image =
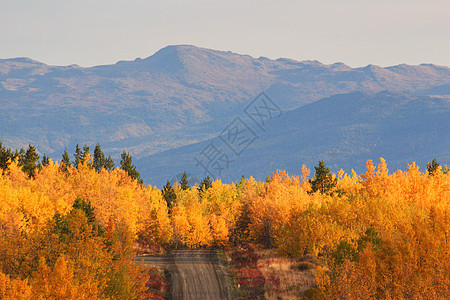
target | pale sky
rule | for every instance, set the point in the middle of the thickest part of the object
(356, 32)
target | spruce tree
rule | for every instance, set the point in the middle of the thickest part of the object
(45, 160)
(169, 195)
(184, 182)
(85, 152)
(431, 168)
(126, 164)
(101, 161)
(66, 159)
(29, 160)
(205, 183)
(99, 158)
(6, 156)
(78, 155)
(109, 163)
(323, 180)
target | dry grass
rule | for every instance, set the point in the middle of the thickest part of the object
(265, 273)
(284, 278)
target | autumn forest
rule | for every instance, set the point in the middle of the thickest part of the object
(70, 229)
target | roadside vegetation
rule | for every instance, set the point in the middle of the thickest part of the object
(70, 229)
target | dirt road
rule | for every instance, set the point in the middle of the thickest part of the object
(195, 274)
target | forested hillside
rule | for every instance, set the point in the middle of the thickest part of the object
(69, 231)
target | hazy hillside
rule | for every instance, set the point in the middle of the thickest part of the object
(343, 130)
(179, 95)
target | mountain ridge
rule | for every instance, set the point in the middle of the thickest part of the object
(178, 96)
(344, 130)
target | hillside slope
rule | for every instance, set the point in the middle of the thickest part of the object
(178, 96)
(343, 130)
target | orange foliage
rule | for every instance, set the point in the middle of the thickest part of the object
(408, 214)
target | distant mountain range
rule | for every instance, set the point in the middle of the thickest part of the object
(186, 95)
(343, 130)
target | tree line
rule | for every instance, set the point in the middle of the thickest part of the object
(70, 228)
(29, 160)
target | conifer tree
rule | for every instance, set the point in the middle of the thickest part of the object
(99, 158)
(323, 180)
(66, 159)
(431, 168)
(184, 182)
(78, 155)
(169, 195)
(85, 153)
(205, 183)
(126, 164)
(5, 156)
(28, 161)
(101, 161)
(45, 160)
(109, 163)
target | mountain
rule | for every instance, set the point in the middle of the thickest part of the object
(343, 130)
(178, 96)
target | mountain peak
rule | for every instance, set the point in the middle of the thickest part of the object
(23, 60)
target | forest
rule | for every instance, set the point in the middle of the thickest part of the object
(70, 229)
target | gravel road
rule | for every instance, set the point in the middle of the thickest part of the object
(195, 274)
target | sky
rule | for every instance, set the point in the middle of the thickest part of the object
(355, 32)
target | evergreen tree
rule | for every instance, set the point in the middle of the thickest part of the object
(99, 158)
(45, 160)
(19, 154)
(205, 183)
(66, 159)
(323, 180)
(169, 195)
(86, 207)
(78, 155)
(85, 153)
(431, 168)
(63, 229)
(5, 156)
(29, 160)
(109, 163)
(126, 164)
(184, 182)
(240, 231)
(101, 161)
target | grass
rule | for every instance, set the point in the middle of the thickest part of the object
(225, 262)
(157, 285)
(265, 274)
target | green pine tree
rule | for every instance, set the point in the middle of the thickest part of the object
(28, 162)
(99, 158)
(126, 164)
(323, 180)
(109, 163)
(45, 160)
(78, 155)
(101, 161)
(66, 159)
(431, 168)
(6, 156)
(205, 183)
(184, 182)
(85, 153)
(169, 195)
